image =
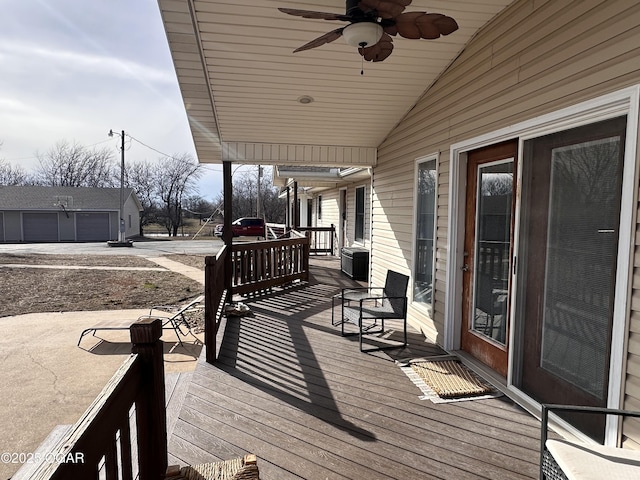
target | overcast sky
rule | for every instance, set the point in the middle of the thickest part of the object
(74, 69)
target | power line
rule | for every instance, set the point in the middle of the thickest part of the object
(149, 147)
(98, 143)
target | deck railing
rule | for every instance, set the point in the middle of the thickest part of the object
(261, 265)
(254, 266)
(275, 231)
(215, 297)
(322, 239)
(123, 434)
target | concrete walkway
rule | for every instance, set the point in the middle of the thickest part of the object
(191, 272)
(48, 381)
(84, 267)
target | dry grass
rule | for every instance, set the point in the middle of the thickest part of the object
(34, 290)
(195, 261)
(83, 260)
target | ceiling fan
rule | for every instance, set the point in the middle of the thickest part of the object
(373, 22)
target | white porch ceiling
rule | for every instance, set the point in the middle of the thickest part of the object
(241, 81)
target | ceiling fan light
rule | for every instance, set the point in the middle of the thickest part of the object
(362, 34)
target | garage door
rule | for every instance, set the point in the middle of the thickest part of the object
(1, 227)
(40, 227)
(92, 227)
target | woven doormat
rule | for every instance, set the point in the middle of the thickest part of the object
(447, 380)
(235, 469)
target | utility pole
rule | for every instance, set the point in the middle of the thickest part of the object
(121, 242)
(122, 224)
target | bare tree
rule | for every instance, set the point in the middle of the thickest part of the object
(245, 197)
(197, 207)
(73, 165)
(140, 175)
(497, 184)
(245, 194)
(12, 175)
(175, 179)
(274, 207)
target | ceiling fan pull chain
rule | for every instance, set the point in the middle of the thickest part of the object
(362, 45)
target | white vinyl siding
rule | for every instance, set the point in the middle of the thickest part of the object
(330, 209)
(532, 59)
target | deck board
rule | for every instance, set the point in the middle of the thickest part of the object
(290, 389)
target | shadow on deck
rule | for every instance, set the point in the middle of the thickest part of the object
(288, 388)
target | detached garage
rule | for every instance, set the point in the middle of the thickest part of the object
(40, 227)
(66, 214)
(92, 227)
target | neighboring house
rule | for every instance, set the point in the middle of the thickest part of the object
(331, 196)
(65, 214)
(507, 188)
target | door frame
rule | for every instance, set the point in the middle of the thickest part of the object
(491, 350)
(342, 217)
(623, 102)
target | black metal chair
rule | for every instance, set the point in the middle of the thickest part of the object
(579, 459)
(365, 306)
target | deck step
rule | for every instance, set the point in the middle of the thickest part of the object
(26, 471)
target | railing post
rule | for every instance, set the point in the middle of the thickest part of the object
(210, 307)
(332, 234)
(227, 233)
(306, 248)
(150, 407)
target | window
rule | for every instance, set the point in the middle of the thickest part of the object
(319, 207)
(426, 184)
(359, 236)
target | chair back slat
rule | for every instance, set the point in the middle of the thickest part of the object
(396, 285)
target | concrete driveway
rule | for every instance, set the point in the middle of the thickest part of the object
(143, 248)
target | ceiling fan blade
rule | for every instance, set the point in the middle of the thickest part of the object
(326, 38)
(422, 25)
(315, 15)
(385, 8)
(379, 51)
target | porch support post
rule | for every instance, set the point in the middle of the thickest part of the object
(287, 215)
(295, 205)
(227, 233)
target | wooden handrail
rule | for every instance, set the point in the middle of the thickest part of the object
(254, 266)
(261, 265)
(322, 239)
(102, 443)
(215, 297)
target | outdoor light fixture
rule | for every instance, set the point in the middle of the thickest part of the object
(362, 34)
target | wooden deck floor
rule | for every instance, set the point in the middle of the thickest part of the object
(310, 405)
